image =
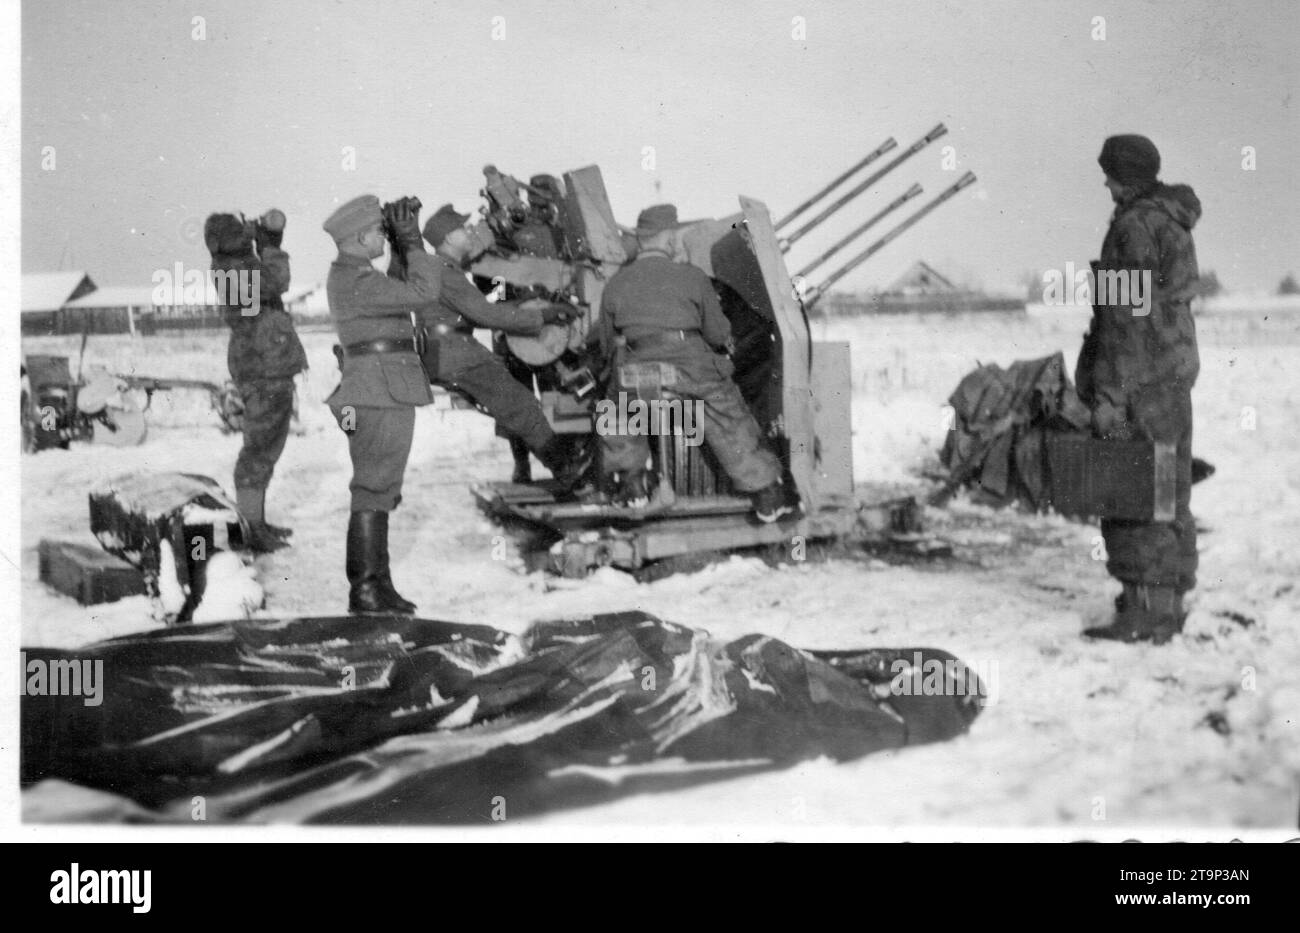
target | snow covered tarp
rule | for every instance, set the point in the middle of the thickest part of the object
(1000, 418)
(390, 719)
(153, 521)
(1021, 434)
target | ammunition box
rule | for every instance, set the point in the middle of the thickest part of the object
(87, 574)
(1133, 480)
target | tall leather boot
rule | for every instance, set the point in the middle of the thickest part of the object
(390, 594)
(262, 539)
(372, 589)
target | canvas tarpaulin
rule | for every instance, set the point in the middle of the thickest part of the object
(392, 719)
(1000, 420)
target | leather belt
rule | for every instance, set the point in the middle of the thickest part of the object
(662, 337)
(380, 346)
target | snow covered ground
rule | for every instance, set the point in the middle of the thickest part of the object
(1204, 732)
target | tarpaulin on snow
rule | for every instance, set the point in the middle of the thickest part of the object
(391, 719)
(1001, 417)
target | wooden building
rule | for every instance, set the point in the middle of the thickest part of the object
(44, 294)
(922, 288)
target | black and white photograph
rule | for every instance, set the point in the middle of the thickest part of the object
(791, 420)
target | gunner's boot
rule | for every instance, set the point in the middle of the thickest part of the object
(372, 590)
(774, 502)
(523, 471)
(568, 465)
(262, 538)
(633, 490)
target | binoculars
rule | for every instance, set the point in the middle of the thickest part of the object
(273, 220)
(413, 203)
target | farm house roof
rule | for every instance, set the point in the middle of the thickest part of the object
(49, 291)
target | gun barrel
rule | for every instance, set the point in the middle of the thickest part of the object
(870, 157)
(893, 205)
(864, 185)
(814, 294)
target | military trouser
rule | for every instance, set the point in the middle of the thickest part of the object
(729, 427)
(268, 409)
(457, 361)
(379, 443)
(517, 368)
(1159, 553)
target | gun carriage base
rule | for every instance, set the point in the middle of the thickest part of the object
(573, 539)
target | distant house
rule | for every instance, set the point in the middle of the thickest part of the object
(921, 279)
(45, 293)
(70, 303)
(57, 306)
(132, 309)
(921, 288)
(110, 310)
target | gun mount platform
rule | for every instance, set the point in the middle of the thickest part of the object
(574, 538)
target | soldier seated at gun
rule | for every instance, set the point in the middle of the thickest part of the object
(668, 312)
(536, 232)
(536, 381)
(541, 234)
(454, 359)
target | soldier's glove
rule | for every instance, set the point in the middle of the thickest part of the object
(558, 314)
(1110, 423)
(403, 218)
(227, 235)
(269, 229)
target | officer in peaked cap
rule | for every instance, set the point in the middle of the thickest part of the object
(383, 379)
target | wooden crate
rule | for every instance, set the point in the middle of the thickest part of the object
(87, 574)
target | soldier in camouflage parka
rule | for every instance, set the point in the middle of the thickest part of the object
(263, 356)
(1136, 370)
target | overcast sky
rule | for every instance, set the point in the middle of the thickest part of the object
(152, 128)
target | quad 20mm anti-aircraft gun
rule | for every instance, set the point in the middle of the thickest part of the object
(560, 241)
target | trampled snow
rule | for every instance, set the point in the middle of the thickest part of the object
(1090, 736)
